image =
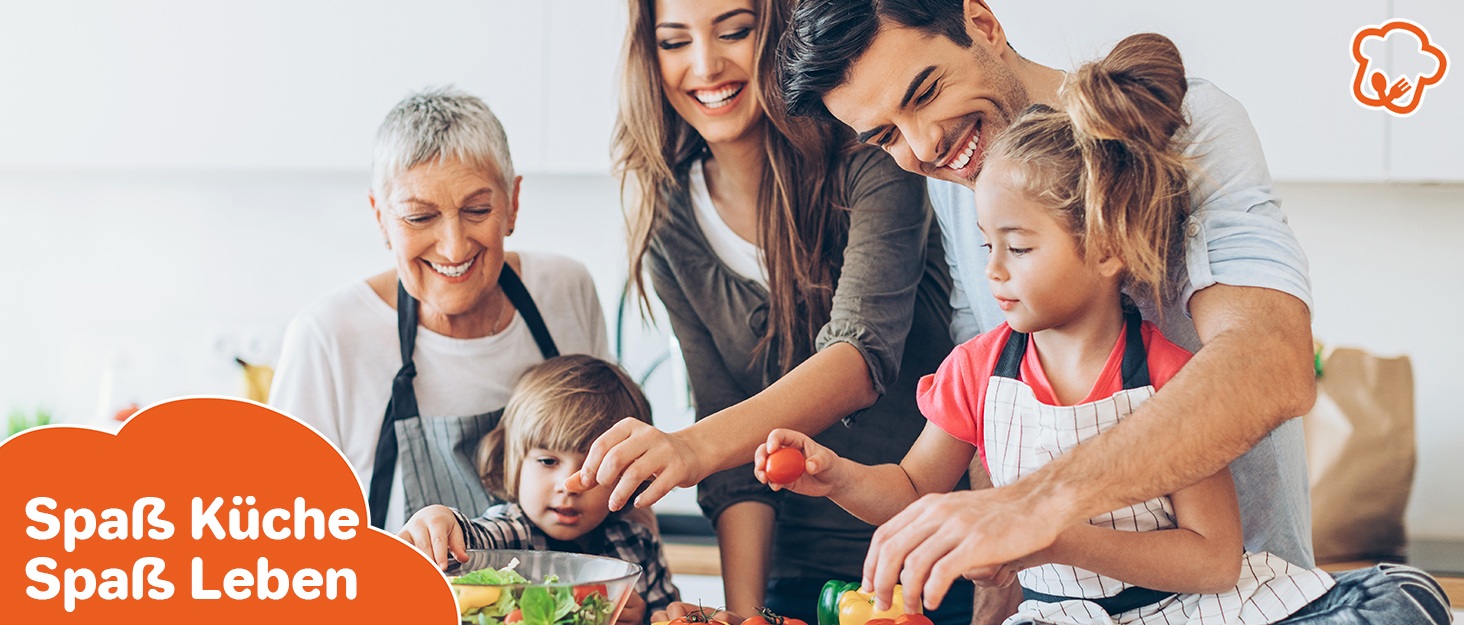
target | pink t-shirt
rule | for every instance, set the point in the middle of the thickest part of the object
(952, 398)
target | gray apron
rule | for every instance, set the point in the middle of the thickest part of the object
(437, 453)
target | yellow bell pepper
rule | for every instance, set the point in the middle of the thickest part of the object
(841, 603)
(857, 608)
(471, 597)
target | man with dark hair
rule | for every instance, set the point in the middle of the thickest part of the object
(932, 82)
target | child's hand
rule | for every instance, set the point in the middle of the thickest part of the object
(820, 466)
(634, 612)
(434, 531)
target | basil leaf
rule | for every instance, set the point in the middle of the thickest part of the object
(537, 606)
(564, 603)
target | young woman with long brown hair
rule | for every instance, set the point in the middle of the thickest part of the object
(803, 278)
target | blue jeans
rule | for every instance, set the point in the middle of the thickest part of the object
(1386, 593)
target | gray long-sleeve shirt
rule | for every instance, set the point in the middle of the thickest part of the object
(891, 303)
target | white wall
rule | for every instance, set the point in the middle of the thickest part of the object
(1385, 262)
(1290, 63)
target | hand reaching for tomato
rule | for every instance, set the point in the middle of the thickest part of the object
(774, 465)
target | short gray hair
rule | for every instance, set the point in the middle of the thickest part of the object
(439, 124)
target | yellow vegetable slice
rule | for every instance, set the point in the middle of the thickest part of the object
(471, 597)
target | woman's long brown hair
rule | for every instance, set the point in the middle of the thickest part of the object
(1108, 162)
(801, 226)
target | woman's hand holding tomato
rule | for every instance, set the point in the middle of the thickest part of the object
(819, 474)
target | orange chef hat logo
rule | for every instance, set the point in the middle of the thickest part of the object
(200, 510)
(1371, 85)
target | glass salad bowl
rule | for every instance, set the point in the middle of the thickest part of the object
(506, 587)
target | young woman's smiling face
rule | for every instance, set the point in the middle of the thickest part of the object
(561, 514)
(707, 53)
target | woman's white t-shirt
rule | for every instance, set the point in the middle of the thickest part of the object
(739, 254)
(341, 353)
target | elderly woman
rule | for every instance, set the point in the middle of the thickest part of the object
(406, 370)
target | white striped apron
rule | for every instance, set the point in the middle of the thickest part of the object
(1022, 435)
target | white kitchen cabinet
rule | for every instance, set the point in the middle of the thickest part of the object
(302, 85)
(286, 84)
(1425, 145)
(1288, 63)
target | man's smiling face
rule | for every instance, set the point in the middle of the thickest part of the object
(932, 104)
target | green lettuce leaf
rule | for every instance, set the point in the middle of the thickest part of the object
(491, 577)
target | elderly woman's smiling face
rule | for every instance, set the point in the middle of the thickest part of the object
(445, 222)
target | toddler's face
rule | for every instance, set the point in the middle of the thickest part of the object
(1036, 271)
(561, 514)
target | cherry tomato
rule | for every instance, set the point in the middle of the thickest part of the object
(912, 619)
(516, 616)
(766, 617)
(784, 466)
(580, 592)
(699, 616)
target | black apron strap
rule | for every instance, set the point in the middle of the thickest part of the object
(403, 405)
(1130, 598)
(1135, 368)
(1010, 363)
(519, 297)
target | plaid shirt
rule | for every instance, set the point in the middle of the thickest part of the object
(506, 526)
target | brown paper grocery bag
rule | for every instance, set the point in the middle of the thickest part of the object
(1360, 455)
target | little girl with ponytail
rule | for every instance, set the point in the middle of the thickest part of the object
(1081, 210)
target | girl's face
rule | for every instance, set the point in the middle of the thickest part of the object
(706, 50)
(1037, 272)
(561, 514)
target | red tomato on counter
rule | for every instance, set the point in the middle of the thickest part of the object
(700, 616)
(784, 466)
(766, 616)
(912, 619)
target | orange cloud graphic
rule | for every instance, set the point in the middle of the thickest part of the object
(1395, 98)
(201, 510)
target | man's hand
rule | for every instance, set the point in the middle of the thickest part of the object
(631, 452)
(961, 534)
(434, 531)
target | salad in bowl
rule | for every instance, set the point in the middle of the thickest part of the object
(508, 587)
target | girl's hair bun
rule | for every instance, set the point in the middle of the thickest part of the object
(1134, 95)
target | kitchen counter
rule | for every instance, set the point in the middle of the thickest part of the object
(687, 559)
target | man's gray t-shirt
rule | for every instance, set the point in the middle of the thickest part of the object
(1236, 234)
